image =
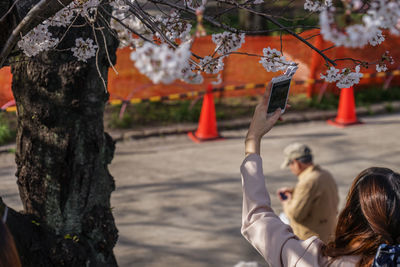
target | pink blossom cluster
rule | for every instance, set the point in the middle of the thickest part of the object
(41, 39)
(227, 42)
(343, 79)
(160, 62)
(273, 60)
(173, 27)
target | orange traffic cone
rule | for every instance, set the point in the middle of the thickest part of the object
(207, 129)
(347, 110)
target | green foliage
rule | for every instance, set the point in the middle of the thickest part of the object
(363, 97)
(155, 114)
(176, 112)
(122, 123)
(328, 102)
(389, 107)
(299, 101)
(165, 113)
(375, 95)
(7, 134)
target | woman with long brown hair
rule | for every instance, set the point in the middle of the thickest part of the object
(370, 218)
(368, 229)
(8, 252)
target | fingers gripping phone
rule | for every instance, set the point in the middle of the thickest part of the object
(280, 90)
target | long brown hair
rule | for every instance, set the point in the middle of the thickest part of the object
(371, 216)
(8, 252)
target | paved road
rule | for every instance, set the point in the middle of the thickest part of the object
(179, 204)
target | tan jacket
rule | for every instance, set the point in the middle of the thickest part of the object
(273, 239)
(312, 211)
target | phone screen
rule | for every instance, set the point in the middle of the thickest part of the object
(279, 92)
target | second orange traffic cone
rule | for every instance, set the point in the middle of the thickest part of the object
(207, 128)
(347, 109)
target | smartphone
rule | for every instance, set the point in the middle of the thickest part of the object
(283, 195)
(280, 90)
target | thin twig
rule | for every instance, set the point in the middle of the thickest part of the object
(224, 26)
(127, 27)
(97, 59)
(69, 27)
(351, 59)
(327, 59)
(312, 36)
(108, 56)
(326, 49)
(193, 12)
(223, 12)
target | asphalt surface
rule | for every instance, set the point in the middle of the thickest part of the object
(178, 203)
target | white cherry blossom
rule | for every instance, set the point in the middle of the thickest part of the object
(227, 42)
(62, 18)
(195, 4)
(161, 63)
(273, 60)
(349, 78)
(317, 5)
(332, 75)
(357, 35)
(211, 65)
(189, 76)
(86, 8)
(218, 80)
(381, 14)
(84, 49)
(381, 67)
(173, 27)
(164, 64)
(344, 79)
(37, 40)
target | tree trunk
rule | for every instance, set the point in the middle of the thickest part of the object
(62, 156)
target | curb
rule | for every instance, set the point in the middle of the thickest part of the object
(7, 148)
(290, 117)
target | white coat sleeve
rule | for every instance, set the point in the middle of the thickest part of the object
(273, 239)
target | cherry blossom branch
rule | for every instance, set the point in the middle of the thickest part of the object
(358, 62)
(145, 18)
(193, 12)
(327, 59)
(97, 58)
(312, 36)
(126, 26)
(326, 49)
(224, 26)
(32, 18)
(107, 53)
(223, 12)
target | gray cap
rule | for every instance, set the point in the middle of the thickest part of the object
(295, 151)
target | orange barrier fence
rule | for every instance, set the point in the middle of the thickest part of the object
(240, 70)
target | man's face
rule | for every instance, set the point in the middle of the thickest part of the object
(294, 167)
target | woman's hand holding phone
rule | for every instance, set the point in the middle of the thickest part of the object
(260, 124)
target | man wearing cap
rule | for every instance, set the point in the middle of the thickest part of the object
(312, 205)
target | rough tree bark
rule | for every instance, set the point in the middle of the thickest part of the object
(62, 156)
